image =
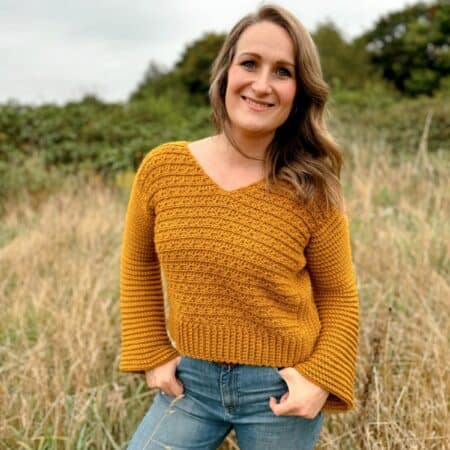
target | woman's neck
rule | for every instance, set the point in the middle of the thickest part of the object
(251, 146)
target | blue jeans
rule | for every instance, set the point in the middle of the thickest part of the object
(218, 397)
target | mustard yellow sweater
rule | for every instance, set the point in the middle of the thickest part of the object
(253, 277)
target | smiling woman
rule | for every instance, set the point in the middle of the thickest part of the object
(258, 81)
(249, 229)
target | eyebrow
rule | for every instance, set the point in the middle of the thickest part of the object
(281, 61)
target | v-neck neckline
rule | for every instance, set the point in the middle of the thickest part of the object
(207, 177)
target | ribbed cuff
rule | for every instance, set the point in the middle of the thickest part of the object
(140, 362)
(340, 398)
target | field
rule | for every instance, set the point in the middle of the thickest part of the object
(59, 287)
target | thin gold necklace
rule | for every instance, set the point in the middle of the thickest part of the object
(246, 156)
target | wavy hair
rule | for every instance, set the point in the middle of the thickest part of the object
(303, 153)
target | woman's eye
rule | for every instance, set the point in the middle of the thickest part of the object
(285, 72)
(247, 63)
(282, 71)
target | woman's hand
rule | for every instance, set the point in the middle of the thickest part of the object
(304, 398)
(163, 377)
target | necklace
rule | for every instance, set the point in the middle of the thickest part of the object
(246, 156)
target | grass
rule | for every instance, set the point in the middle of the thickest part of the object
(59, 327)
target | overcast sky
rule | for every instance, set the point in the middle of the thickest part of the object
(56, 50)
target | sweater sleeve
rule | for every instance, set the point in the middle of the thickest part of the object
(329, 262)
(145, 343)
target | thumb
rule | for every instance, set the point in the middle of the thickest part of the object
(179, 388)
(281, 408)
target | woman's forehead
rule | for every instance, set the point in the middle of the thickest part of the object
(266, 40)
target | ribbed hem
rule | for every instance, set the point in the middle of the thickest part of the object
(238, 345)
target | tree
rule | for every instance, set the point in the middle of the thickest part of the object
(412, 47)
(189, 76)
(157, 81)
(343, 63)
(194, 67)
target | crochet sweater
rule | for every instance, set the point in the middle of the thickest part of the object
(251, 276)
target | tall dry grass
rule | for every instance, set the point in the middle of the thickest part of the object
(59, 323)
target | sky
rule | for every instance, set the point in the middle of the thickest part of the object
(54, 51)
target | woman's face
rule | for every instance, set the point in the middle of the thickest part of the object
(261, 83)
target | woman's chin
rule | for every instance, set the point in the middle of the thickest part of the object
(252, 128)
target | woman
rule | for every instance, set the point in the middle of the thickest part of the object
(249, 229)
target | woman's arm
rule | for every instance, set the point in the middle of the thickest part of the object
(329, 263)
(145, 343)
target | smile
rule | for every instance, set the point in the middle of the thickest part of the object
(259, 106)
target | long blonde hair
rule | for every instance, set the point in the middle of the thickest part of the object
(302, 152)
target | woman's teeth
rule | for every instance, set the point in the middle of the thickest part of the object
(257, 105)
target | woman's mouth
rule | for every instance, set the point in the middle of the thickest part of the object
(256, 105)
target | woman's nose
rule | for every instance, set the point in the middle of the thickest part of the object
(262, 83)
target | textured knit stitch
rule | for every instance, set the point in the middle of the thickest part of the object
(252, 276)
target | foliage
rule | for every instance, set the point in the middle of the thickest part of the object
(188, 81)
(159, 81)
(113, 138)
(195, 64)
(412, 47)
(90, 135)
(344, 64)
(399, 121)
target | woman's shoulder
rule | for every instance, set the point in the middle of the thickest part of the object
(323, 211)
(164, 150)
(156, 164)
(158, 156)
